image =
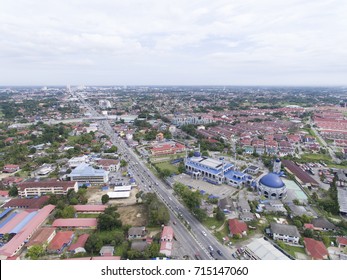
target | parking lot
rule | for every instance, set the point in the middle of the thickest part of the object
(216, 190)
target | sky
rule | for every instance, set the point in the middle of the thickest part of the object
(176, 42)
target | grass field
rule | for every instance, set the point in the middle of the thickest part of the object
(167, 165)
(316, 157)
(293, 249)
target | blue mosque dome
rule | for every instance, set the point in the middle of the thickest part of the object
(197, 154)
(272, 180)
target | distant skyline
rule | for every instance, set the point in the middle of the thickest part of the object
(161, 42)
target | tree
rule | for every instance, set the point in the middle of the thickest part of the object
(308, 233)
(105, 198)
(123, 163)
(109, 220)
(35, 252)
(93, 244)
(181, 167)
(220, 216)
(13, 191)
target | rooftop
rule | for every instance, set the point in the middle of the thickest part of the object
(28, 203)
(284, 229)
(85, 169)
(75, 222)
(60, 239)
(316, 249)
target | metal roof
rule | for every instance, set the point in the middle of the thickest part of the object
(12, 247)
(23, 223)
(264, 250)
(75, 222)
(3, 214)
(13, 223)
(8, 219)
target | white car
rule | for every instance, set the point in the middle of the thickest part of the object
(203, 233)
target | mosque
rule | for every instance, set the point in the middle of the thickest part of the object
(271, 185)
(215, 171)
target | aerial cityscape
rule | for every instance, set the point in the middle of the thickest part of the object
(173, 130)
(176, 172)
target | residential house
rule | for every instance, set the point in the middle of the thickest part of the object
(315, 249)
(323, 224)
(137, 233)
(243, 206)
(107, 251)
(246, 216)
(226, 205)
(341, 241)
(237, 227)
(286, 233)
(166, 241)
(112, 165)
(10, 168)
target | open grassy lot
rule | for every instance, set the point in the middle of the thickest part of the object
(167, 165)
(316, 157)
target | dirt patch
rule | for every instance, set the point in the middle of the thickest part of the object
(95, 194)
(134, 215)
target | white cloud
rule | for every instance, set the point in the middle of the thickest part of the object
(210, 40)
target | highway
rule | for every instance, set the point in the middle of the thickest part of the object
(195, 238)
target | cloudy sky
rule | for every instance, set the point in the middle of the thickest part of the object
(173, 42)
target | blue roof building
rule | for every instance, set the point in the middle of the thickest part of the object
(84, 173)
(272, 186)
(214, 171)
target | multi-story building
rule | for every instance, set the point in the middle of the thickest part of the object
(84, 173)
(167, 148)
(286, 233)
(32, 189)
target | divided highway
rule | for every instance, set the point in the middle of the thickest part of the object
(193, 236)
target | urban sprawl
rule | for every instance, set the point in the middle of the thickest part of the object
(146, 172)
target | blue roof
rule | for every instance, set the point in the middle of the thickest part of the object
(85, 169)
(201, 168)
(9, 218)
(23, 222)
(272, 180)
(3, 214)
(232, 175)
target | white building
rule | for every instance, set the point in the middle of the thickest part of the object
(285, 233)
(31, 189)
(122, 194)
(75, 161)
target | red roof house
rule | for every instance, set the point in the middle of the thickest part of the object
(61, 240)
(78, 246)
(10, 168)
(4, 194)
(315, 249)
(237, 227)
(341, 241)
(167, 234)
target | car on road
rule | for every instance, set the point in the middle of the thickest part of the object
(203, 233)
(219, 252)
(210, 248)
